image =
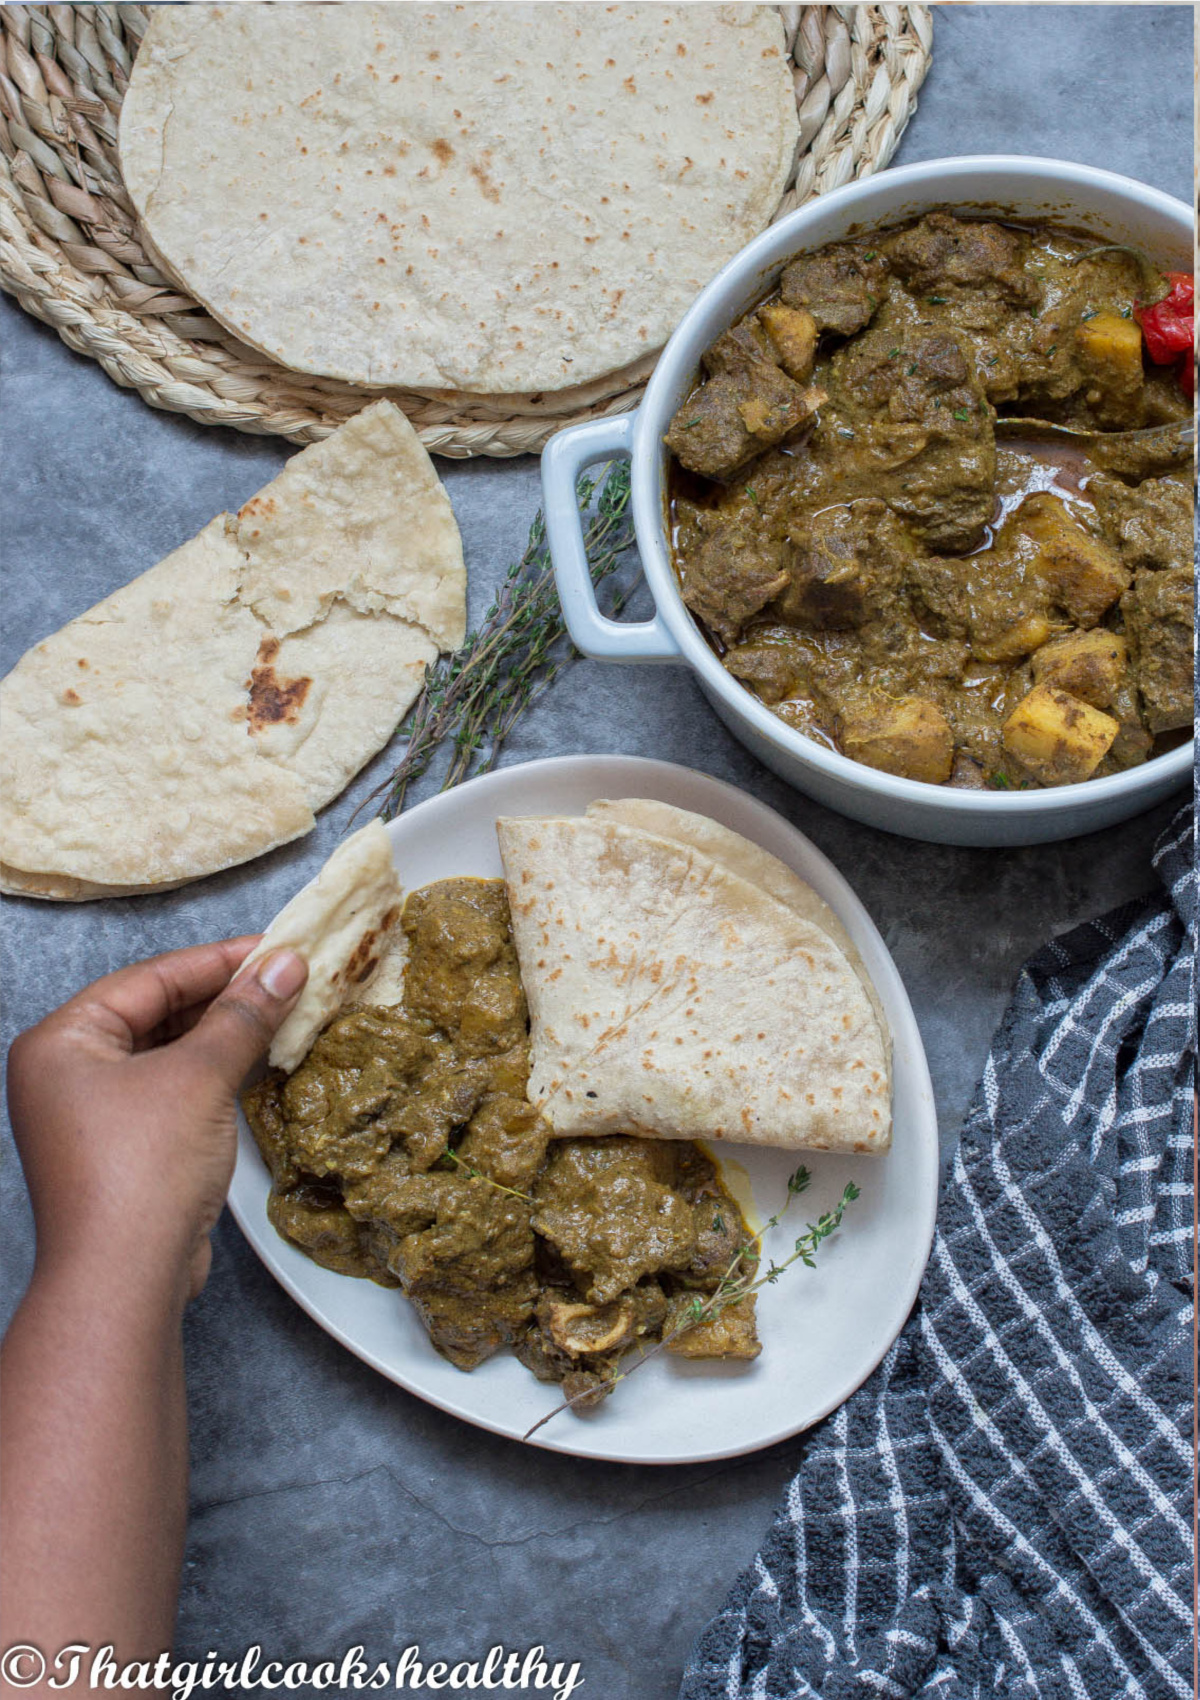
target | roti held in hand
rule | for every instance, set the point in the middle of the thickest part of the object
(342, 923)
(671, 995)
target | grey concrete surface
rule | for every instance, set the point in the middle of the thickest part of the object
(329, 1507)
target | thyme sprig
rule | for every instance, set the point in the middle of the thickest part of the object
(474, 698)
(741, 1279)
(451, 1156)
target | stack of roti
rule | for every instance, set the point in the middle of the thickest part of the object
(686, 984)
(484, 199)
(200, 715)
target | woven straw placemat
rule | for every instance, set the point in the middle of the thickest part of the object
(71, 253)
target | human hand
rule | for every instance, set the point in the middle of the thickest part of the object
(123, 1108)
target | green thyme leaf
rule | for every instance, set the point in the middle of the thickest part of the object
(472, 1173)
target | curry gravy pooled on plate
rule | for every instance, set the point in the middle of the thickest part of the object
(403, 1149)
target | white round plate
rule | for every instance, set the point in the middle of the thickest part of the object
(823, 1330)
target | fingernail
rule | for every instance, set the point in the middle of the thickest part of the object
(282, 974)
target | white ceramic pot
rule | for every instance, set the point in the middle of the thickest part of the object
(1114, 207)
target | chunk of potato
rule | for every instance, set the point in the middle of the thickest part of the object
(1021, 638)
(1081, 572)
(793, 335)
(1057, 737)
(910, 737)
(729, 1334)
(1110, 352)
(1089, 665)
(1110, 340)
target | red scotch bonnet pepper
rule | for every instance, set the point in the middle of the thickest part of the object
(1168, 329)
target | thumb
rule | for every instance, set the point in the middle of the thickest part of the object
(237, 1027)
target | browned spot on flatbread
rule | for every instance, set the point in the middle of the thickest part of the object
(364, 958)
(442, 151)
(258, 507)
(273, 699)
(480, 172)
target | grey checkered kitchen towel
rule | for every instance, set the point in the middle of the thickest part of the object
(1004, 1508)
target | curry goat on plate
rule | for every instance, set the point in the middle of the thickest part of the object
(895, 572)
(405, 1144)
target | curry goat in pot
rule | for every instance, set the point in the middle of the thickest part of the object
(891, 579)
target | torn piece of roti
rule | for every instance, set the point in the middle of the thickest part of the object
(201, 714)
(343, 923)
(668, 995)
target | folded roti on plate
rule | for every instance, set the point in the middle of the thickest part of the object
(673, 995)
(200, 715)
(749, 861)
(345, 924)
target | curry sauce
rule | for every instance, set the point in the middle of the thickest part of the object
(403, 1149)
(889, 576)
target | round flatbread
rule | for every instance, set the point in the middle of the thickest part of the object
(200, 715)
(490, 198)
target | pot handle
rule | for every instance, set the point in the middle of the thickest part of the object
(563, 459)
